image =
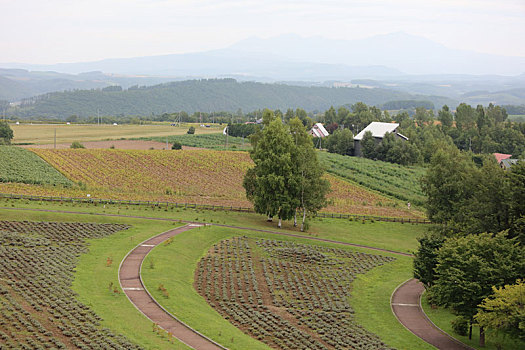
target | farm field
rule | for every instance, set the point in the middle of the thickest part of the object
(38, 308)
(369, 296)
(401, 182)
(20, 165)
(191, 176)
(45, 133)
(208, 141)
(89, 285)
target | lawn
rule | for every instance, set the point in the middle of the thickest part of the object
(385, 235)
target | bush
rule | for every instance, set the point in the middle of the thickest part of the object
(76, 144)
(176, 145)
(460, 325)
(191, 130)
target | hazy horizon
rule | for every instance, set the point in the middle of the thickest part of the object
(60, 31)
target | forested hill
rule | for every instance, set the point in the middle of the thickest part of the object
(205, 96)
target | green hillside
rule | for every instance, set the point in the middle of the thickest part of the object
(204, 96)
(394, 180)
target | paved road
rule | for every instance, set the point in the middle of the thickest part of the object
(406, 306)
(132, 285)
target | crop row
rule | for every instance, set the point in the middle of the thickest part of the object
(20, 165)
(38, 308)
(290, 296)
(402, 182)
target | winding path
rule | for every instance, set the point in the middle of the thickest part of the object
(131, 283)
(406, 306)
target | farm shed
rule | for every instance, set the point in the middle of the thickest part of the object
(378, 131)
(318, 130)
(507, 163)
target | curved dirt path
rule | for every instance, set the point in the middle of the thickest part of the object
(131, 283)
(406, 306)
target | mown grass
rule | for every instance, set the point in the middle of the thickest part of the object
(385, 235)
(174, 268)
(93, 277)
(443, 317)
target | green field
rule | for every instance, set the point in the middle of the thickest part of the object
(401, 182)
(20, 165)
(209, 141)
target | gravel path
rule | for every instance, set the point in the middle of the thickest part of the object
(406, 305)
(133, 286)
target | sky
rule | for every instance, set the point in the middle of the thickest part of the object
(57, 31)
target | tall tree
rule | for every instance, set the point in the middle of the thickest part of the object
(271, 185)
(308, 173)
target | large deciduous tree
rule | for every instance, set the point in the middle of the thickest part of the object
(270, 184)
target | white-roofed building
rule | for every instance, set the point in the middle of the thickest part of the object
(318, 130)
(378, 131)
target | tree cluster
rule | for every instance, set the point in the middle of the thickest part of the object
(479, 244)
(287, 176)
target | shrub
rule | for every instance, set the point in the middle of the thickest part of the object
(191, 130)
(460, 325)
(177, 144)
(76, 144)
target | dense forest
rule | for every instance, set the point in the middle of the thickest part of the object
(204, 96)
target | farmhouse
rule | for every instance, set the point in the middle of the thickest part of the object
(318, 130)
(378, 131)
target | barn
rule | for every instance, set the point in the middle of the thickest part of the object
(378, 131)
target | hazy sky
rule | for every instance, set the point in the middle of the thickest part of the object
(52, 31)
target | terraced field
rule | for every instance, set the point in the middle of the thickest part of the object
(192, 176)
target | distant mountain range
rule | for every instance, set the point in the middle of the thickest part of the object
(397, 61)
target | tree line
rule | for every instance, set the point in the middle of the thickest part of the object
(478, 130)
(474, 260)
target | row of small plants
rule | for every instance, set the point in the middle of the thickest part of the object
(38, 309)
(287, 295)
(20, 165)
(402, 182)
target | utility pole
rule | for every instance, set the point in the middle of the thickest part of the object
(166, 142)
(55, 138)
(98, 116)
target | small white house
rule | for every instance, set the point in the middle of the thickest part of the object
(318, 130)
(378, 131)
